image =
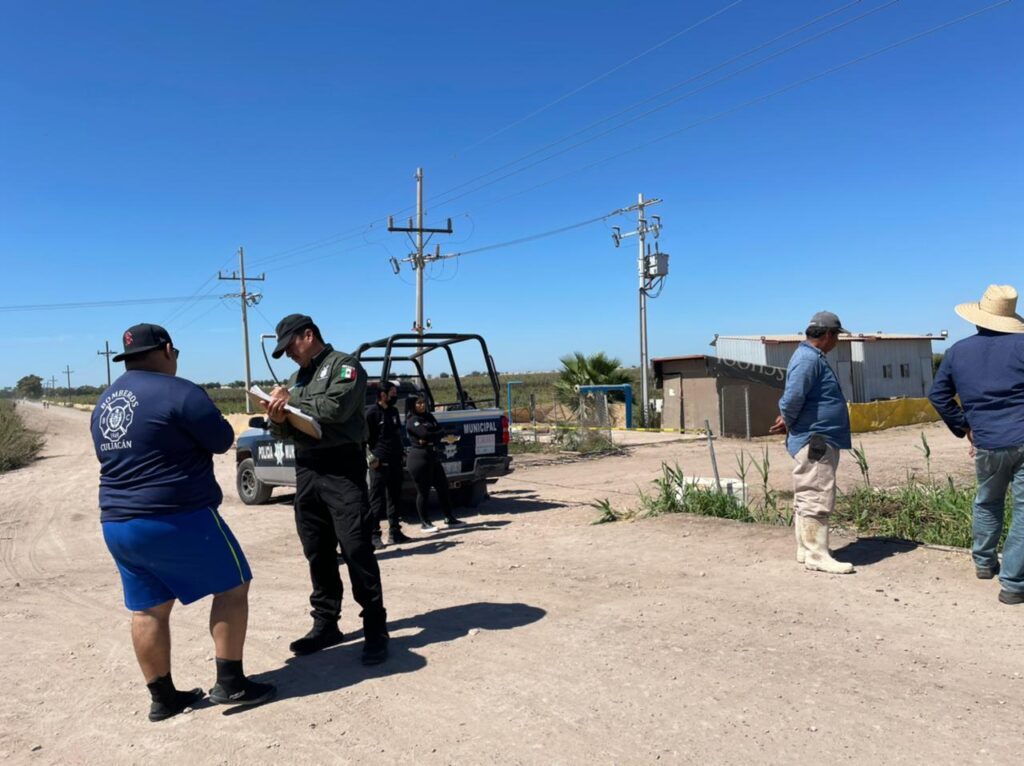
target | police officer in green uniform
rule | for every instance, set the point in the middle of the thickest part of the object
(331, 504)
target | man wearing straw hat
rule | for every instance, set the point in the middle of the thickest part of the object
(986, 371)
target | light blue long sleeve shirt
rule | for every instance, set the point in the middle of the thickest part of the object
(813, 402)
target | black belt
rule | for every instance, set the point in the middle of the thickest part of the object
(326, 457)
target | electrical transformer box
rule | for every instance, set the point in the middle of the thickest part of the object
(657, 265)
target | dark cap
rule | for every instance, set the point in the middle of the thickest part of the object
(826, 320)
(140, 338)
(286, 330)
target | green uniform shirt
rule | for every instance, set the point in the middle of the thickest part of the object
(332, 389)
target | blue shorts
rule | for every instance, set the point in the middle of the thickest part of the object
(183, 556)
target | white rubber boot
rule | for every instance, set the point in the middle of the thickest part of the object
(801, 552)
(817, 558)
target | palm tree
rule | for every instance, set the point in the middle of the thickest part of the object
(581, 370)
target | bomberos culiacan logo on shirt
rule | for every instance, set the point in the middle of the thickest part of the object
(116, 414)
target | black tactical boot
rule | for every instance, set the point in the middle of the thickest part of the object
(324, 633)
(376, 638)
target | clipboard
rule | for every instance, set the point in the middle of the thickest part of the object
(296, 417)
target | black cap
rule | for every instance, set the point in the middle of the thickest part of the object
(827, 321)
(286, 330)
(140, 338)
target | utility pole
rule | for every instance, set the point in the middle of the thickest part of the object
(652, 268)
(67, 371)
(247, 299)
(108, 353)
(53, 385)
(418, 259)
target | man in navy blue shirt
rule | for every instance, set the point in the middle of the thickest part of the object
(155, 435)
(814, 415)
(986, 371)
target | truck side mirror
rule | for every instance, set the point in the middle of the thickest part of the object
(258, 422)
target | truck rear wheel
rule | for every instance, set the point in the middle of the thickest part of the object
(251, 490)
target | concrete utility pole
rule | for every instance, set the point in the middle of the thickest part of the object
(67, 371)
(108, 353)
(652, 268)
(53, 385)
(418, 259)
(247, 299)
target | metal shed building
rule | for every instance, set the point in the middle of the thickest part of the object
(869, 367)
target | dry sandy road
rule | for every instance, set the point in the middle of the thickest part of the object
(530, 636)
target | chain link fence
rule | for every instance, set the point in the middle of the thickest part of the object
(735, 403)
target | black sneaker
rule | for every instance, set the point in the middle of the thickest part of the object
(323, 635)
(250, 693)
(161, 711)
(398, 536)
(451, 521)
(1011, 597)
(986, 573)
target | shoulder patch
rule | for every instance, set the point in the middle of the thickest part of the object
(347, 372)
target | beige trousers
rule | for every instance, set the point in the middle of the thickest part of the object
(814, 484)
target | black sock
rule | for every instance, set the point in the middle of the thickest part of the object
(230, 674)
(162, 690)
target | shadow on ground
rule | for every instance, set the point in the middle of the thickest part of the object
(871, 550)
(340, 667)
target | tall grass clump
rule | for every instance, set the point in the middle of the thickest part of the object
(18, 445)
(674, 494)
(938, 514)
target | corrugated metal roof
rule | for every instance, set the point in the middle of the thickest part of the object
(678, 358)
(853, 338)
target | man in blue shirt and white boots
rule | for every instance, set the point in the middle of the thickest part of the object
(814, 415)
(986, 371)
(155, 435)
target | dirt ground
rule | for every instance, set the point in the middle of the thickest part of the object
(529, 636)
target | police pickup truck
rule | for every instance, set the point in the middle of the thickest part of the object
(474, 449)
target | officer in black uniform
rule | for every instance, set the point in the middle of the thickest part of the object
(330, 495)
(387, 463)
(424, 466)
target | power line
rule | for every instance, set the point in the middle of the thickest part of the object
(302, 249)
(597, 79)
(532, 237)
(321, 257)
(660, 107)
(290, 253)
(351, 233)
(181, 310)
(202, 315)
(751, 102)
(93, 304)
(669, 89)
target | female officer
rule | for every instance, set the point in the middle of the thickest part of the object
(421, 460)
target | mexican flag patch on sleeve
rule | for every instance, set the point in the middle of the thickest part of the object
(347, 372)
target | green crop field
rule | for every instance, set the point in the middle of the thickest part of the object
(540, 384)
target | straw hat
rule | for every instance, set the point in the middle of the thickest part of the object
(997, 310)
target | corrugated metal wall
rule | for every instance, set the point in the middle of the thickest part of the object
(742, 350)
(892, 368)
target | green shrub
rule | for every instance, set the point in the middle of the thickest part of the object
(18, 445)
(939, 514)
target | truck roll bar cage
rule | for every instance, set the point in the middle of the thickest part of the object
(423, 345)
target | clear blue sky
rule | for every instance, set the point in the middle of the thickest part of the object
(140, 146)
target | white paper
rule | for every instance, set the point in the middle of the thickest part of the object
(297, 417)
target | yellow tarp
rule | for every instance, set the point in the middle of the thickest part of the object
(874, 416)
